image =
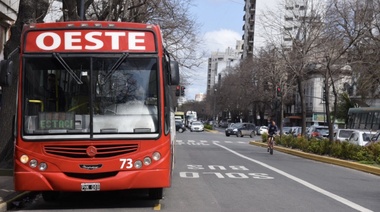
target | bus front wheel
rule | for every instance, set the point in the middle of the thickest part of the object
(155, 193)
(50, 196)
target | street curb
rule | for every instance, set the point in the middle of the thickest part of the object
(325, 159)
(4, 206)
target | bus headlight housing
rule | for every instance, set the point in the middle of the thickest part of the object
(147, 161)
(138, 164)
(42, 166)
(33, 163)
(156, 156)
(24, 159)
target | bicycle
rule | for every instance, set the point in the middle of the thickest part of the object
(270, 144)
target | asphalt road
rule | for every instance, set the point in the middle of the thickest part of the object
(217, 173)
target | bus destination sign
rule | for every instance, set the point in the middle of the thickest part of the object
(56, 120)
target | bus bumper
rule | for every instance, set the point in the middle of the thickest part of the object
(35, 181)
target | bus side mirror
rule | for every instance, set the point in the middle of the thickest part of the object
(174, 72)
(6, 69)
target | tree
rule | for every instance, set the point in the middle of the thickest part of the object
(346, 30)
(29, 11)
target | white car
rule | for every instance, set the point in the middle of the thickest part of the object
(196, 126)
(361, 137)
(262, 130)
(342, 134)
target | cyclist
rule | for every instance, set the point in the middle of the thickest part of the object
(272, 130)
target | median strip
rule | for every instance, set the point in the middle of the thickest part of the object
(325, 159)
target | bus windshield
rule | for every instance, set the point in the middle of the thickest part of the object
(82, 95)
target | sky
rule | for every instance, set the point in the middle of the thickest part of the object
(221, 25)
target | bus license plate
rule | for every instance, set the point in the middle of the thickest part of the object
(90, 186)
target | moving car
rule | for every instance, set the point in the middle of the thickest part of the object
(246, 129)
(232, 129)
(361, 137)
(179, 126)
(196, 126)
(241, 129)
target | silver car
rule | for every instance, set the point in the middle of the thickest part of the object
(196, 126)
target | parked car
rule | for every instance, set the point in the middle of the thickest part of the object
(223, 123)
(342, 134)
(246, 129)
(261, 130)
(196, 126)
(286, 130)
(179, 126)
(296, 131)
(361, 137)
(374, 139)
(318, 132)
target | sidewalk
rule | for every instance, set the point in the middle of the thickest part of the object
(7, 192)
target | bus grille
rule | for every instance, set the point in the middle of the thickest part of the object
(102, 151)
(93, 176)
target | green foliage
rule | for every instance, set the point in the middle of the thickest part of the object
(342, 150)
(208, 126)
(264, 137)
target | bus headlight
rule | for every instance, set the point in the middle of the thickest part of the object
(147, 161)
(156, 156)
(24, 159)
(138, 164)
(33, 163)
(42, 167)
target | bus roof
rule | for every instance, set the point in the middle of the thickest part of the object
(363, 110)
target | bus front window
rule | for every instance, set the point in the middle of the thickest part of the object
(127, 97)
(66, 99)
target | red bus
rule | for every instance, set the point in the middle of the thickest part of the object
(94, 108)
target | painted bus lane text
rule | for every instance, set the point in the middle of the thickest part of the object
(221, 172)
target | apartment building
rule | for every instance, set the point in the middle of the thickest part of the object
(8, 15)
(220, 62)
(249, 28)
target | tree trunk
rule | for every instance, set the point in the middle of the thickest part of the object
(303, 105)
(29, 11)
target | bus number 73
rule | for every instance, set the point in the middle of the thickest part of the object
(126, 163)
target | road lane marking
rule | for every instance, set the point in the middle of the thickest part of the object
(302, 182)
(157, 207)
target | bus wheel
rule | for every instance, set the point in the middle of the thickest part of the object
(155, 193)
(50, 196)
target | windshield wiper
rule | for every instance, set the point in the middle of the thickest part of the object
(67, 67)
(116, 65)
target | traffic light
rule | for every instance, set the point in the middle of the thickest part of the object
(324, 93)
(182, 90)
(177, 89)
(279, 92)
